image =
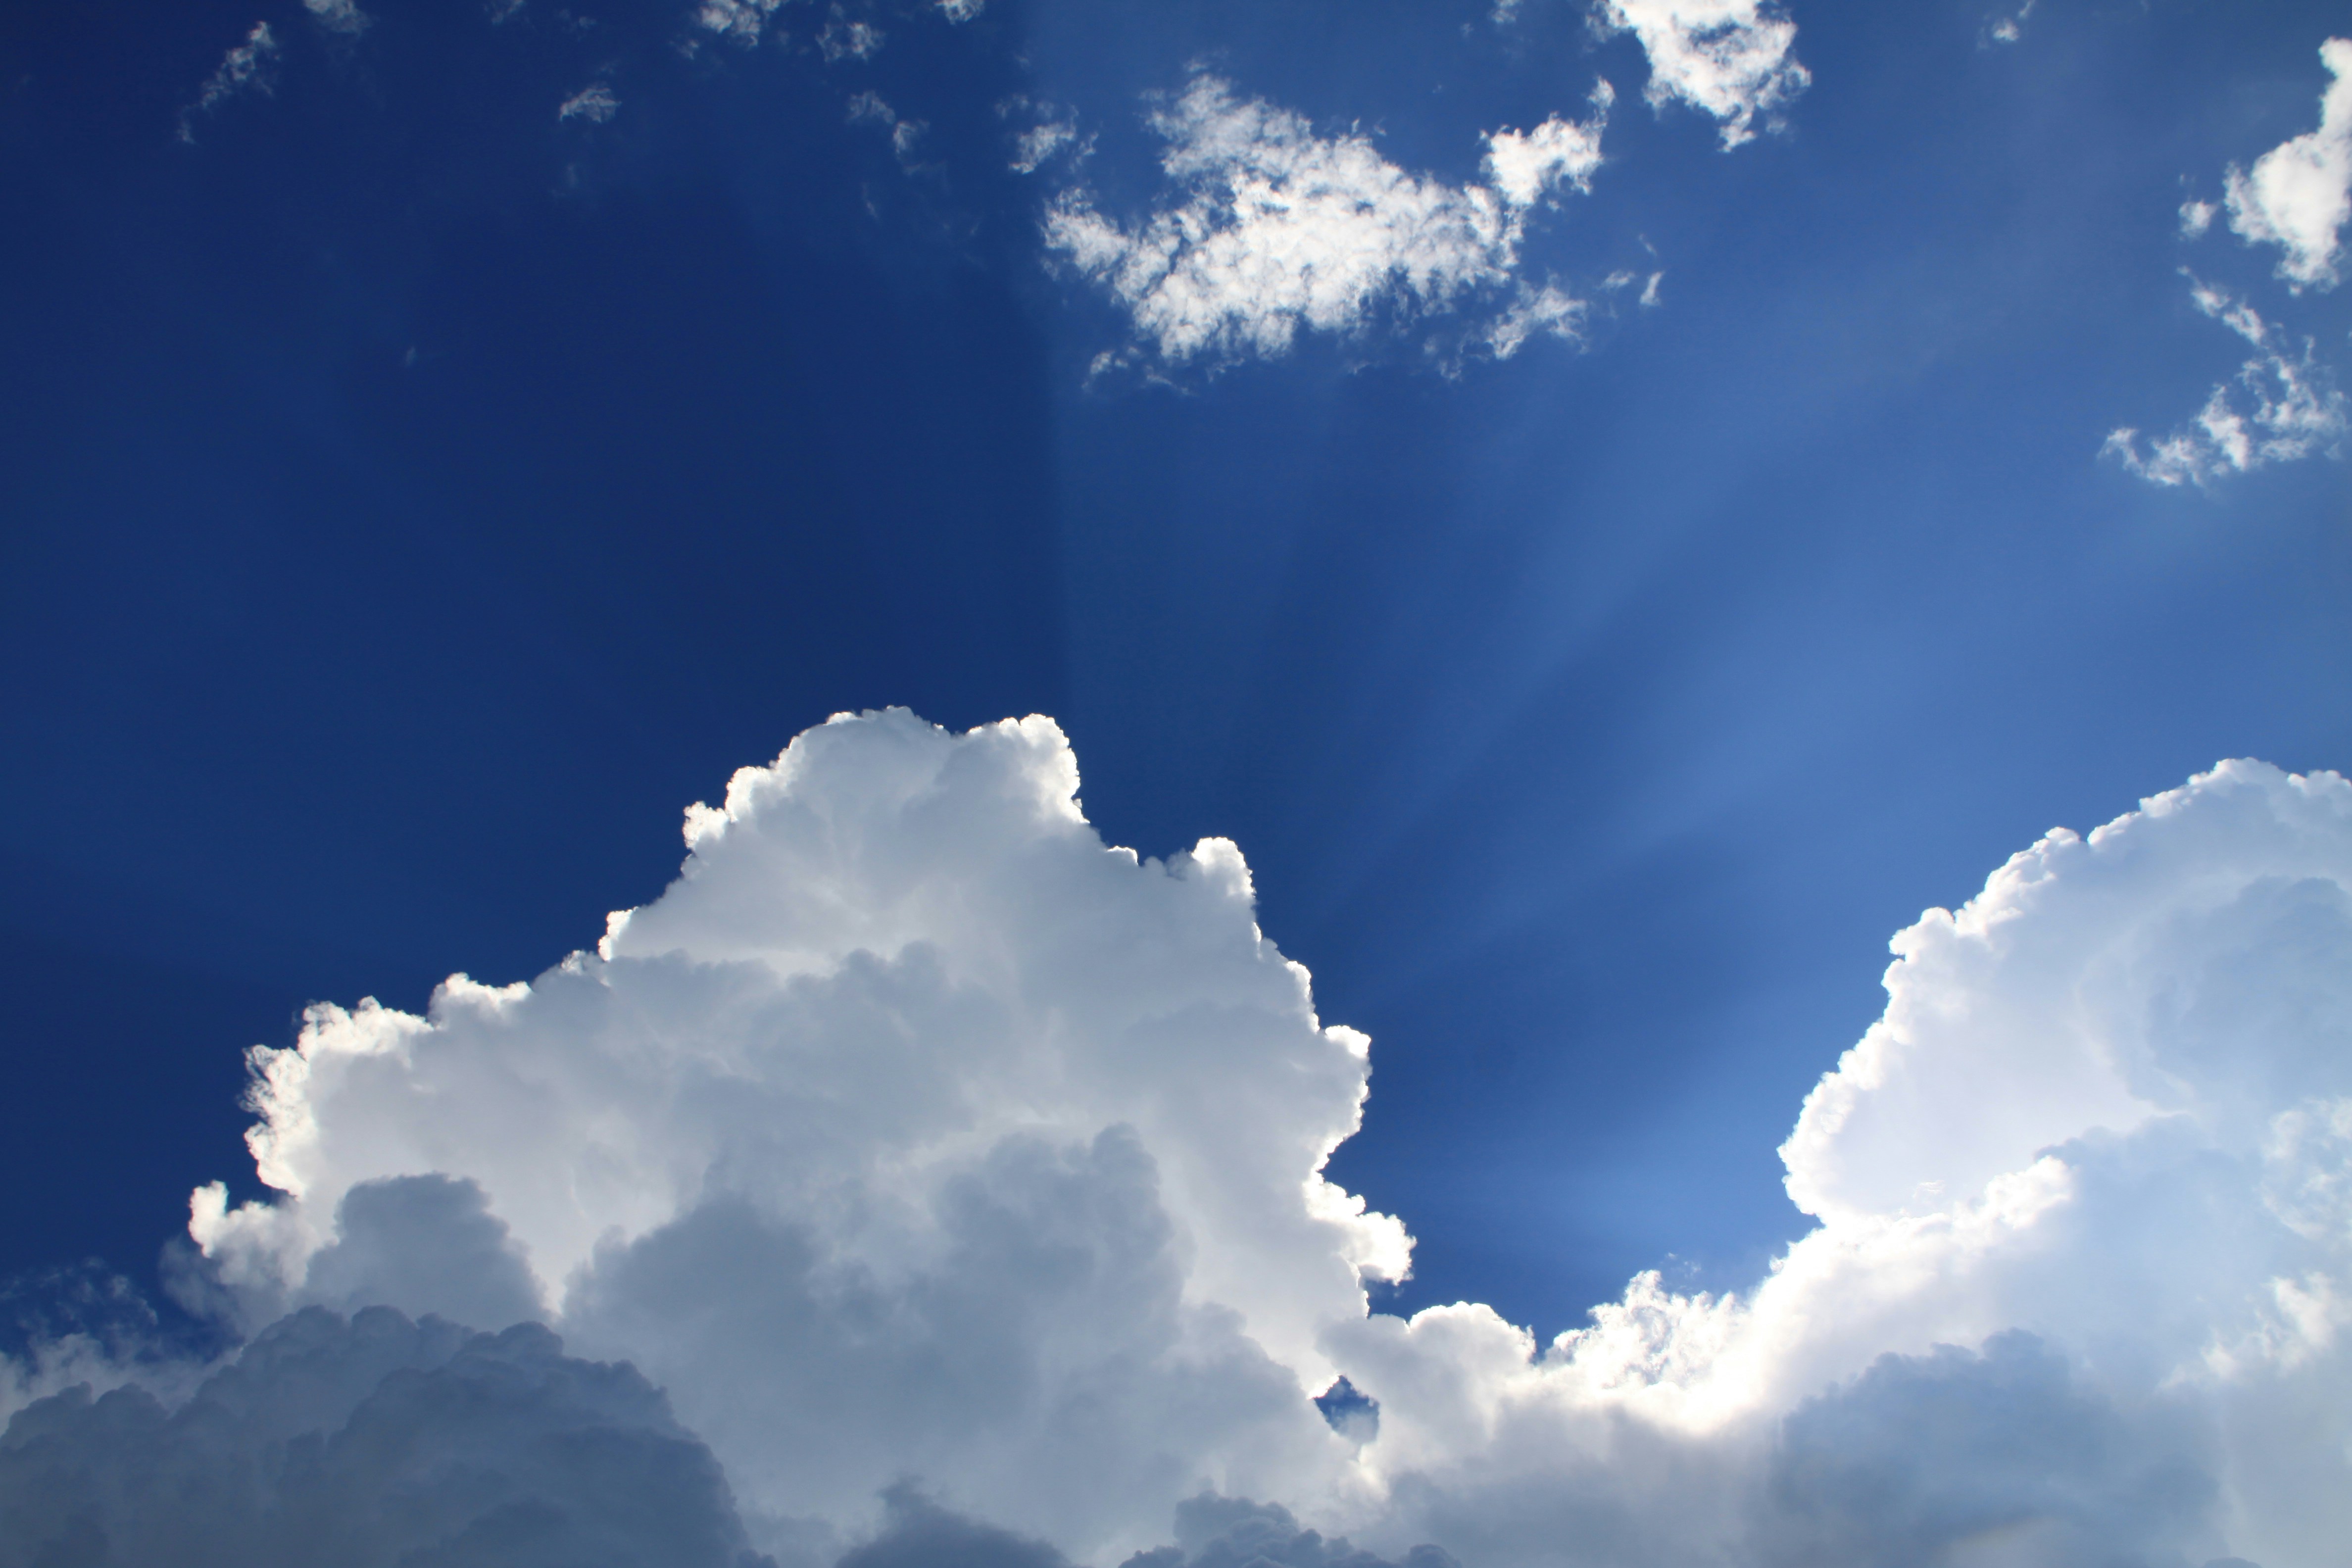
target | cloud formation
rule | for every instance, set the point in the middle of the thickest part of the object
(372, 1441)
(1727, 58)
(595, 103)
(740, 20)
(1271, 228)
(841, 38)
(914, 1133)
(2299, 194)
(245, 67)
(2282, 405)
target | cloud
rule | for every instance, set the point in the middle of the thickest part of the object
(2007, 28)
(2279, 407)
(867, 107)
(961, 10)
(740, 20)
(845, 39)
(1922, 1458)
(594, 103)
(918, 1533)
(342, 18)
(914, 1133)
(1213, 1531)
(366, 1442)
(1727, 58)
(2299, 194)
(245, 67)
(1271, 228)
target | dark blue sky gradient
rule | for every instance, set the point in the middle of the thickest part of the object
(412, 502)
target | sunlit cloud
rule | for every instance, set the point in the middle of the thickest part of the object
(1271, 228)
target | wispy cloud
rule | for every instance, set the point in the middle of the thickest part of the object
(1272, 227)
(843, 38)
(741, 21)
(2299, 194)
(869, 108)
(246, 68)
(1728, 59)
(340, 16)
(594, 103)
(2282, 405)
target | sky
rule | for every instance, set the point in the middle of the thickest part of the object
(1429, 586)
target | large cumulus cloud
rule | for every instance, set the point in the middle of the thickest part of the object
(958, 1177)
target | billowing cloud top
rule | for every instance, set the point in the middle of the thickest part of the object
(983, 1122)
(958, 1177)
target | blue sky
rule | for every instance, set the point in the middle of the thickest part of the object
(441, 441)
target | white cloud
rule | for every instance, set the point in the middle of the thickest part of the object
(949, 1123)
(342, 17)
(2299, 194)
(915, 1131)
(594, 103)
(1274, 227)
(845, 39)
(1050, 133)
(961, 10)
(1728, 59)
(245, 67)
(740, 20)
(2279, 407)
(2196, 217)
(2008, 28)
(1039, 143)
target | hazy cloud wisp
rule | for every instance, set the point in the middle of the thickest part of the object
(2282, 405)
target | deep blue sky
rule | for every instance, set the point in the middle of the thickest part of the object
(411, 501)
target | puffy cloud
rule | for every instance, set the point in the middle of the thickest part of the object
(2082, 1116)
(245, 67)
(369, 1441)
(1275, 227)
(914, 1133)
(2299, 194)
(595, 103)
(1727, 58)
(913, 1130)
(2282, 405)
